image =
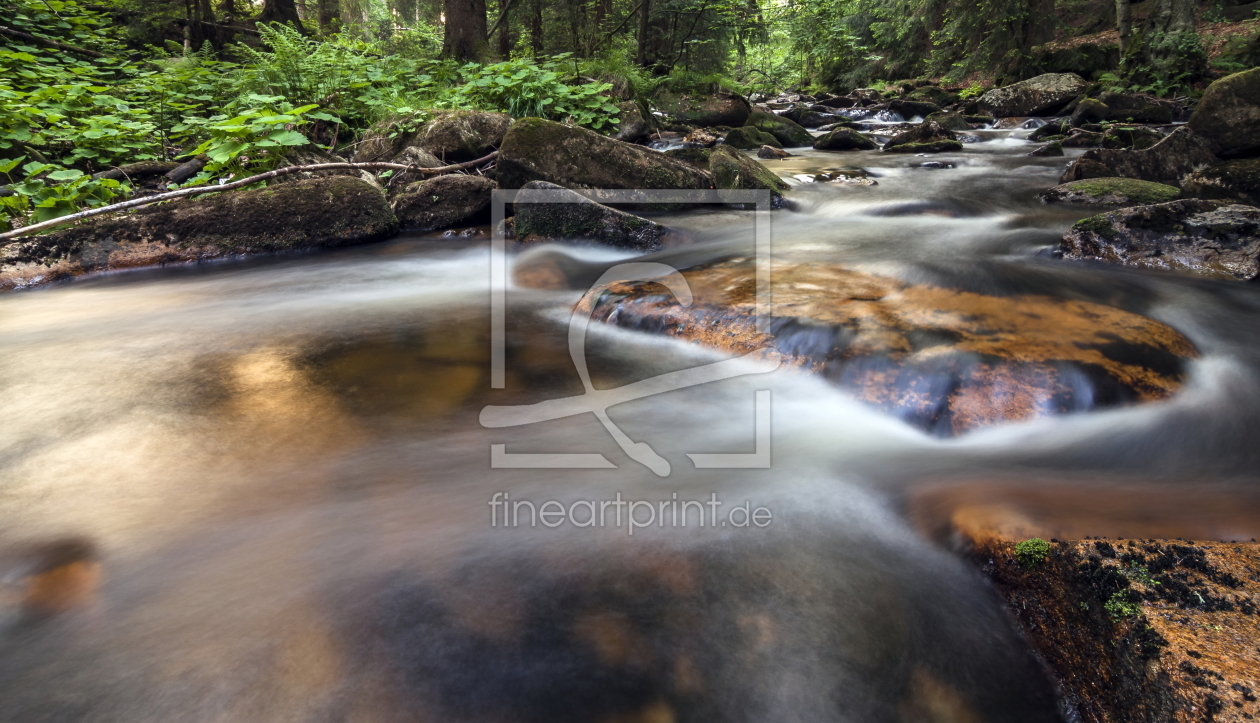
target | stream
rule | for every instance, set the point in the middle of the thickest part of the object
(278, 467)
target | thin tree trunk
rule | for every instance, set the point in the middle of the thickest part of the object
(1124, 26)
(603, 8)
(645, 13)
(536, 28)
(329, 16)
(505, 39)
(465, 37)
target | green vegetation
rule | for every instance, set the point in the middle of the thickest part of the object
(1031, 553)
(1122, 604)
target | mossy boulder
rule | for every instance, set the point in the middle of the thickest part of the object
(452, 136)
(444, 201)
(1089, 110)
(749, 137)
(1228, 116)
(539, 150)
(1213, 238)
(632, 125)
(1053, 128)
(933, 94)
(1230, 181)
(1040, 96)
(924, 134)
(311, 213)
(1053, 148)
(1083, 139)
(952, 121)
(1136, 108)
(1132, 137)
(844, 139)
(789, 134)
(911, 109)
(698, 157)
(558, 214)
(1110, 192)
(705, 111)
(733, 170)
(1180, 153)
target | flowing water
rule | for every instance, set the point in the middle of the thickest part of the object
(278, 471)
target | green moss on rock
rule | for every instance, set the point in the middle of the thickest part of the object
(1231, 181)
(444, 201)
(747, 138)
(844, 139)
(790, 134)
(933, 147)
(1228, 116)
(1110, 191)
(733, 170)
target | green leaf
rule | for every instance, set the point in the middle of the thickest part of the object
(68, 174)
(288, 138)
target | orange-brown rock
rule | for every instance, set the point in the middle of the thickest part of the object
(942, 359)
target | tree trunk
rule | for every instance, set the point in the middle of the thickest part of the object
(1041, 22)
(505, 39)
(1124, 26)
(645, 14)
(536, 28)
(603, 8)
(465, 37)
(280, 11)
(329, 16)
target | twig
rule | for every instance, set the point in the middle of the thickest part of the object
(46, 41)
(136, 202)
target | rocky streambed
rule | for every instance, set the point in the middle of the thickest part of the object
(1024, 316)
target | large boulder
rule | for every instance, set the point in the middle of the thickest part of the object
(1179, 154)
(540, 150)
(444, 201)
(577, 218)
(1228, 116)
(732, 169)
(704, 110)
(909, 108)
(310, 213)
(1231, 181)
(927, 137)
(844, 139)
(1043, 95)
(1136, 108)
(1110, 192)
(632, 124)
(1213, 238)
(747, 138)
(943, 360)
(1132, 137)
(790, 134)
(952, 121)
(453, 136)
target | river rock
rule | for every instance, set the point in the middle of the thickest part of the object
(1053, 148)
(1133, 137)
(1180, 153)
(837, 102)
(1089, 110)
(1136, 108)
(1053, 128)
(1232, 180)
(788, 133)
(943, 360)
(632, 125)
(310, 213)
(411, 156)
(579, 218)
(909, 109)
(927, 137)
(952, 121)
(540, 150)
(1083, 139)
(449, 200)
(1228, 116)
(1110, 192)
(1213, 238)
(772, 153)
(704, 110)
(732, 169)
(844, 140)
(453, 136)
(698, 157)
(1040, 96)
(747, 138)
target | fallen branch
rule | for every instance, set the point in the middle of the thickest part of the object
(147, 200)
(49, 42)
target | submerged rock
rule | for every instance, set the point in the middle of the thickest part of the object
(844, 140)
(1110, 191)
(1228, 116)
(311, 213)
(932, 147)
(944, 360)
(1213, 238)
(788, 133)
(444, 201)
(1180, 153)
(1042, 95)
(1231, 181)
(772, 153)
(579, 218)
(540, 150)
